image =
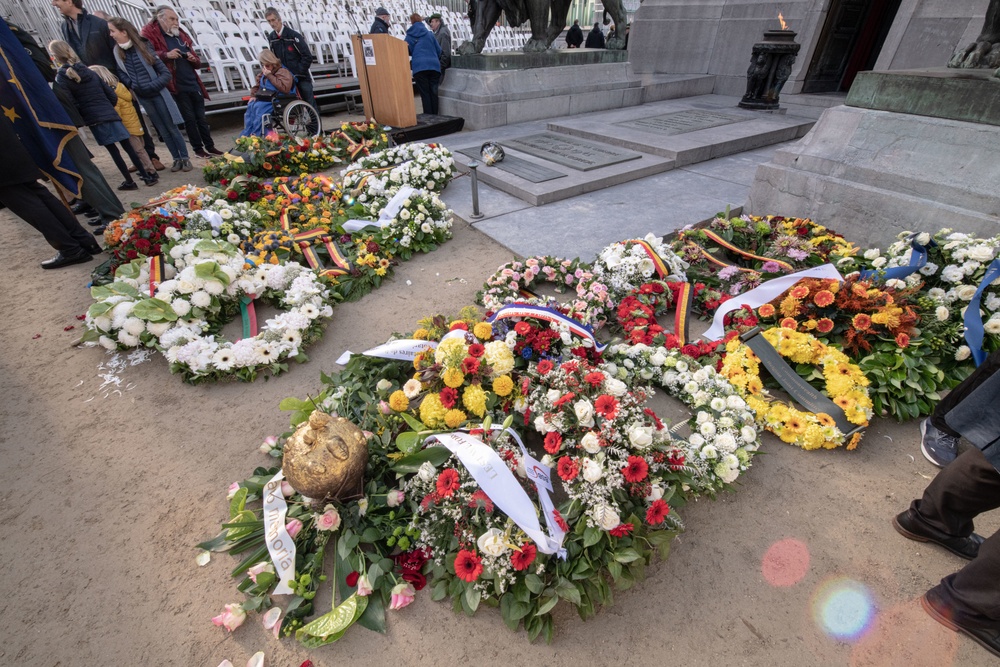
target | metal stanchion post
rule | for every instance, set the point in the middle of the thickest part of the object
(474, 173)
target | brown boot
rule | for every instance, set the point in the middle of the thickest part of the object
(158, 165)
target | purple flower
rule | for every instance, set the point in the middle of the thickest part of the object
(728, 272)
(797, 254)
(770, 267)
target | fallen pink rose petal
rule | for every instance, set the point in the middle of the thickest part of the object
(256, 660)
(271, 620)
(225, 663)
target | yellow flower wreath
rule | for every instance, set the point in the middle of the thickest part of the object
(846, 385)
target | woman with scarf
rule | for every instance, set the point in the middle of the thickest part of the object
(147, 77)
(274, 79)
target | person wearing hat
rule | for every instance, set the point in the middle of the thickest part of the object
(380, 26)
(443, 35)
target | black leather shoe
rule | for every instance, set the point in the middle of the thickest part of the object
(908, 525)
(213, 151)
(202, 154)
(94, 249)
(82, 208)
(940, 611)
(100, 230)
(128, 185)
(62, 260)
(95, 222)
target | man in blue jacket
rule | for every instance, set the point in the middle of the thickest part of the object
(293, 52)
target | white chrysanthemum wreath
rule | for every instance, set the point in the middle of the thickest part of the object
(204, 290)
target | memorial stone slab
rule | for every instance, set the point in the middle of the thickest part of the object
(681, 122)
(571, 152)
(521, 168)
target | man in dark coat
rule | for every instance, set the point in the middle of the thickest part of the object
(175, 48)
(21, 192)
(443, 35)
(574, 36)
(380, 26)
(595, 38)
(967, 601)
(293, 52)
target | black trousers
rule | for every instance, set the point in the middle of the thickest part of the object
(34, 204)
(305, 87)
(964, 489)
(192, 108)
(982, 373)
(427, 85)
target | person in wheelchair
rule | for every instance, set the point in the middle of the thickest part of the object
(274, 81)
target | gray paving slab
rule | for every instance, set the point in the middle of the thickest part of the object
(492, 202)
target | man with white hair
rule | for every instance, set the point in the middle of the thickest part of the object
(176, 50)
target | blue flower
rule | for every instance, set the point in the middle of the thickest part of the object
(526, 353)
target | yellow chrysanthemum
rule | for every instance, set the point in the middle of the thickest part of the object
(453, 377)
(454, 418)
(474, 400)
(398, 401)
(503, 385)
(499, 357)
(432, 412)
(421, 334)
(483, 330)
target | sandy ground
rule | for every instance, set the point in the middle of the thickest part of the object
(103, 499)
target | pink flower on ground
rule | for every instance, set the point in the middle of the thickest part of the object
(270, 442)
(286, 489)
(394, 498)
(271, 620)
(231, 491)
(329, 519)
(293, 527)
(402, 595)
(364, 586)
(231, 618)
(384, 408)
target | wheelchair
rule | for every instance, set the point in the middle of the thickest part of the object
(293, 116)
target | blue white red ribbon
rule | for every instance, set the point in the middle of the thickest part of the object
(549, 315)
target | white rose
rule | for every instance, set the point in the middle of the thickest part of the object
(590, 443)
(879, 262)
(655, 493)
(966, 292)
(615, 387)
(542, 426)
(872, 253)
(696, 440)
(584, 413)
(606, 517)
(709, 452)
(942, 313)
(383, 385)
(707, 429)
(640, 436)
(992, 326)
(923, 238)
(658, 358)
(426, 472)
(553, 395)
(592, 470)
(980, 253)
(962, 353)
(491, 542)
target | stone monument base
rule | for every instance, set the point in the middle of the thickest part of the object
(871, 174)
(491, 90)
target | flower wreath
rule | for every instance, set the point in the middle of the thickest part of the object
(624, 265)
(845, 383)
(418, 165)
(513, 282)
(184, 316)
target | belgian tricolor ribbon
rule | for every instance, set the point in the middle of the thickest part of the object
(739, 252)
(682, 312)
(155, 273)
(307, 244)
(285, 222)
(662, 270)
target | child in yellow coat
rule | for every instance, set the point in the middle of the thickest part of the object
(129, 118)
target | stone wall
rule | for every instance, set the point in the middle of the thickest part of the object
(716, 36)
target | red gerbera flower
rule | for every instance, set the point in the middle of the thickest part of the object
(824, 325)
(544, 366)
(448, 397)
(468, 565)
(606, 406)
(635, 470)
(594, 379)
(447, 482)
(568, 469)
(459, 325)
(520, 560)
(553, 441)
(480, 499)
(476, 350)
(522, 328)
(563, 400)
(657, 512)
(622, 529)
(560, 521)
(902, 340)
(470, 365)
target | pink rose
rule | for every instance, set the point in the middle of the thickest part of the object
(270, 442)
(364, 586)
(233, 488)
(329, 520)
(232, 617)
(394, 498)
(570, 279)
(384, 408)
(286, 489)
(258, 569)
(402, 595)
(293, 527)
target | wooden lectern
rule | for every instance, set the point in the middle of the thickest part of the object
(386, 85)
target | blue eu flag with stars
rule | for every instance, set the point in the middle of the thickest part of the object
(41, 123)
